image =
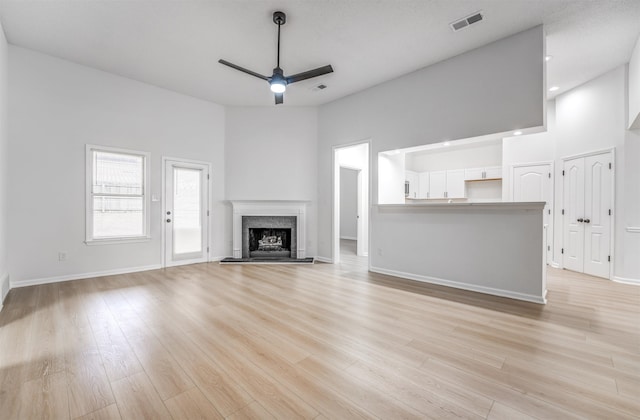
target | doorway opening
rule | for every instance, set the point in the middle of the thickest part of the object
(351, 202)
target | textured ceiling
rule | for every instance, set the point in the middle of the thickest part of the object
(176, 44)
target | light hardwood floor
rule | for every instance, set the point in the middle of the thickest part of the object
(317, 341)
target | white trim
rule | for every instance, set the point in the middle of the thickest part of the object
(349, 238)
(217, 258)
(335, 197)
(56, 279)
(554, 264)
(633, 229)
(323, 259)
(4, 280)
(131, 240)
(146, 196)
(625, 280)
(591, 153)
(464, 286)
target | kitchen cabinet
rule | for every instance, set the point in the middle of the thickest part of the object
(479, 174)
(423, 185)
(446, 184)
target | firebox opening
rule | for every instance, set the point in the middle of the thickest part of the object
(268, 242)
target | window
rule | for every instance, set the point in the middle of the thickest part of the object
(117, 200)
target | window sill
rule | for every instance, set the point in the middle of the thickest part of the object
(114, 241)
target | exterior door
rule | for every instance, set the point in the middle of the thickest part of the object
(534, 183)
(186, 213)
(587, 219)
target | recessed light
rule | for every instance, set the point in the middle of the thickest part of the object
(517, 133)
(446, 143)
(548, 57)
(553, 88)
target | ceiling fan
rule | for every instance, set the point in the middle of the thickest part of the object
(278, 80)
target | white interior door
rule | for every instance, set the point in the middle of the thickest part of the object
(534, 183)
(186, 213)
(597, 221)
(573, 243)
(588, 192)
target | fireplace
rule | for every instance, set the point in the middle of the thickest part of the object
(282, 223)
(269, 237)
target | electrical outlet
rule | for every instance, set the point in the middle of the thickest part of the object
(62, 256)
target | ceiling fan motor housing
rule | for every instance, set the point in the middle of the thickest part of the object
(279, 18)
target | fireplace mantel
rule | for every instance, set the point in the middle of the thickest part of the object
(269, 208)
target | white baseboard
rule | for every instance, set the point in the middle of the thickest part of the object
(56, 279)
(554, 264)
(216, 259)
(625, 280)
(464, 286)
(4, 283)
(350, 238)
(324, 259)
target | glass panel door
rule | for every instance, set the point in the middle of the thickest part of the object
(185, 213)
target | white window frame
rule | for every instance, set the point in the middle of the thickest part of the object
(146, 201)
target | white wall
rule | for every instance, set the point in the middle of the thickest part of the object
(459, 158)
(348, 203)
(57, 107)
(634, 88)
(271, 155)
(492, 89)
(4, 171)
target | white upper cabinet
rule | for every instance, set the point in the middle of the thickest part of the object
(423, 185)
(437, 184)
(477, 174)
(455, 183)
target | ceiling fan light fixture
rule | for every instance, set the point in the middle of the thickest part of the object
(278, 82)
(278, 87)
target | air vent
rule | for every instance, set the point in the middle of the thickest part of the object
(467, 21)
(316, 88)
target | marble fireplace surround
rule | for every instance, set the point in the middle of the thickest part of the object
(269, 208)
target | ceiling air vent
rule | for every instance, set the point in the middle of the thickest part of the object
(467, 21)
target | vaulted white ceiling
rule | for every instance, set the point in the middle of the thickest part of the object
(176, 44)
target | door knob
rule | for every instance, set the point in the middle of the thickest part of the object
(587, 220)
(580, 220)
(168, 220)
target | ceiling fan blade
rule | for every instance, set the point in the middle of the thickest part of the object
(242, 69)
(279, 98)
(309, 74)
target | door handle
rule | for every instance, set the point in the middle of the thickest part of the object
(168, 220)
(580, 220)
(587, 220)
